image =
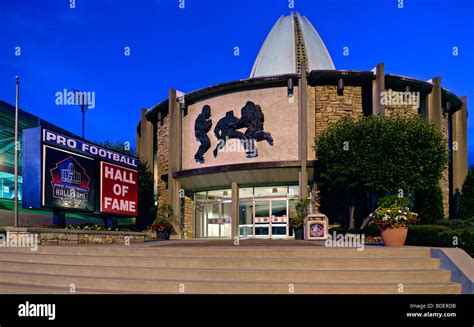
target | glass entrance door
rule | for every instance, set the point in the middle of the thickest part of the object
(271, 218)
(217, 219)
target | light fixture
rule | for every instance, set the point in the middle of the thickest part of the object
(448, 106)
(182, 101)
(407, 88)
(290, 87)
(225, 193)
(340, 87)
(274, 190)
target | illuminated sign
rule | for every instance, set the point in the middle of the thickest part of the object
(54, 138)
(63, 173)
(67, 181)
(118, 189)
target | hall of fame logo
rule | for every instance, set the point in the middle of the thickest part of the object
(70, 183)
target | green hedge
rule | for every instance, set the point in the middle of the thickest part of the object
(443, 236)
(356, 231)
(338, 230)
(371, 231)
(466, 202)
(464, 238)
(429, 205)
(424, 235)
(453, 223)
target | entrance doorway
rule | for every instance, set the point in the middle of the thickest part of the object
(217, 219)
(264, 218)
(264, 212)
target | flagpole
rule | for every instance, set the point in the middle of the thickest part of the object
(16, 150)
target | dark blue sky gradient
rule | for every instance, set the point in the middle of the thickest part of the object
(193, 47)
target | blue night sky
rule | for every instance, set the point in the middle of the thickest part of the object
(190, 48)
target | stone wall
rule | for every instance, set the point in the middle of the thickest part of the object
(403, 110)
(331, 107)
(188, 218)
(444, 181)
(162, 158)
(52, 236)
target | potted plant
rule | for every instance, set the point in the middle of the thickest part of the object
(297, 222)
(162, 226)
(393, 221)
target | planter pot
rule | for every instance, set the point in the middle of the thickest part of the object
(163, 235)
(394, 236)
(299, 232)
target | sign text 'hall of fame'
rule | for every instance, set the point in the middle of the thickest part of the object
(119, 189)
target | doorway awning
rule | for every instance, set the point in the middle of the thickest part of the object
(278, 172)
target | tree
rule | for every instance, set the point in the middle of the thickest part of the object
(429, 205)
(379, 155)
(146, 199)
(466, 202)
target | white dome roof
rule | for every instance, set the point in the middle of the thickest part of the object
(291, 40)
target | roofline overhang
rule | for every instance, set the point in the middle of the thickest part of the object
(220, 176)
(393, 80)
(448, 96)
(315, 77)
(227, 87)
(331, 77)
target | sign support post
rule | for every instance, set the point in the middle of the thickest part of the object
(16, 151)
(59, 218)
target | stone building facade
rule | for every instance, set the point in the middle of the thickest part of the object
(270, 121)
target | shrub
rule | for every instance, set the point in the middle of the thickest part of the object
(89, 227)
(338, 230)
(301, 209)
(466, 202)
(424, 235)
(355, 231)
(469, 222)
(162, 220)
(452, 223)
(391, 200)
(465, 239)
(429, 205)
(4, 206)
(371, 230)
(443, 236)
(380, 154)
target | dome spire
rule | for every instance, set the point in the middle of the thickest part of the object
(292, 40)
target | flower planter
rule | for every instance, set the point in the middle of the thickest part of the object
(394, 236)
(163, 235)
(298, 232)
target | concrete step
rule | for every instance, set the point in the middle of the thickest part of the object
(107, 285)
(223, 263)
(222, 270)
(234, 252)
(214, 274)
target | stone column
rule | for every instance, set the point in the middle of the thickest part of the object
(378, 86)
(144, 140)
(174, 158)
(303, 132)
(434, 114)
(434, 108)
(459, 150)
(235, 210)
